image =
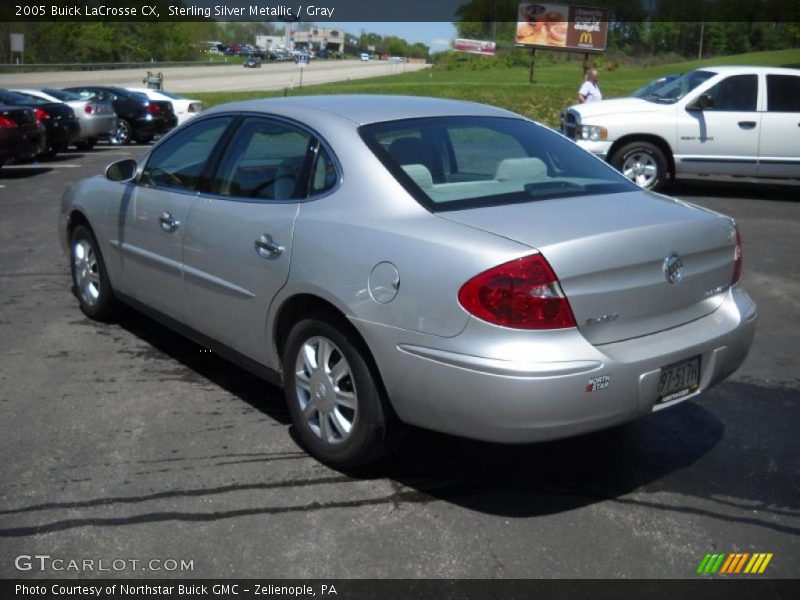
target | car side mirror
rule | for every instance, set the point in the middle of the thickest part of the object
(122, 170)
(703, 102)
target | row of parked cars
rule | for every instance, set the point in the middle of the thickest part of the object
(39, 123)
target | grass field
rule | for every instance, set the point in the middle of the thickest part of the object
(555, 86)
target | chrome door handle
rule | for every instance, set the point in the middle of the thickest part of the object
(168, 224)
(747, 124)
(267, 247)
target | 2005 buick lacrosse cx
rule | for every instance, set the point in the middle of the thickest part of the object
(394, 260)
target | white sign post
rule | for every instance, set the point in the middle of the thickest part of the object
(18, 44)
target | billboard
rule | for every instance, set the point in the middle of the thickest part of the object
(475, 46)
(562, 27)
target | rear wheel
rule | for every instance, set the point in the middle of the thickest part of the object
(337, 407)
(89, 277)
(123, 133)
(643, 163)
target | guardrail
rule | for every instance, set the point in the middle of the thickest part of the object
(42, 67)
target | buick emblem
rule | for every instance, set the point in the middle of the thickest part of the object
(673, 268)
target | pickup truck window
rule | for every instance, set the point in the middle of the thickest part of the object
(737, 93)
(671, 92)
(783, 93)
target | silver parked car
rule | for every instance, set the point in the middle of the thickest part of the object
(412, 260)
(97, 119)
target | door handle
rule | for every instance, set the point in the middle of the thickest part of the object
(747, 124)
(267, 247)
(168, 224)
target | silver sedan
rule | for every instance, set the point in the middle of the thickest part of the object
(394, 260)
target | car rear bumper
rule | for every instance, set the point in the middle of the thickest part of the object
(21, 144)
(492, 384)
(98, 126)
(150, 126)
(62, 133)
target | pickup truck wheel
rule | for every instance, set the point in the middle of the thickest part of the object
(643, 163)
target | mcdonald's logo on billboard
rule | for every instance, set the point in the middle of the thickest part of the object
(586, 38)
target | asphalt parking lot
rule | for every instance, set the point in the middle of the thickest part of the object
(126, 441)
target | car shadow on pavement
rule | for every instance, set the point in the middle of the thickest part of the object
(205, 365)
(552, 477)
(14, 172)
(744, 188)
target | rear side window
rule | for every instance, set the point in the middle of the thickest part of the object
(783, 93)
(451, 163)
(178, 163)
(738, 93)
(265, 160)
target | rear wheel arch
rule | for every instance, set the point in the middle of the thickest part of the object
(300, 306)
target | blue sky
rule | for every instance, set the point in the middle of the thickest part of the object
(435, 35)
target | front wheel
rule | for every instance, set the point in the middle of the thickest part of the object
(336, 405)
(643, 163)
(122, 135)
(89, 277)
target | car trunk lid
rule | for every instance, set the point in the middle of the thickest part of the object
(609, 253)
(23, 117)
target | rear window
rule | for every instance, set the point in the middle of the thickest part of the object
(451, 163)
(783, 93)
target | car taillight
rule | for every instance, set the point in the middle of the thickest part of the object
(521, 294)
(6, 122)
(40, 114)
(737, 258)
(91, 109)
(153, 109)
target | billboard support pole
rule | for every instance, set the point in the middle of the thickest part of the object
(586, 64)
(533, 59)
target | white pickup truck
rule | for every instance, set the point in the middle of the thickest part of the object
(713, 121)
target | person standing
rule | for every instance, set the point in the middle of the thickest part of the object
(590, 91)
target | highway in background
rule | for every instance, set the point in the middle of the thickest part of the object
(217, 78)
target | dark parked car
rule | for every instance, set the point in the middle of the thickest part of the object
(21, 134)
(252, 62)
(140, 118)
(61, 126)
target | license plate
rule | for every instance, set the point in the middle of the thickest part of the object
(678, 380)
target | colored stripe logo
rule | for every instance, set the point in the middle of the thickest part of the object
(734, 563)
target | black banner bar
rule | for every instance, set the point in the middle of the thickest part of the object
(733, 588)
(323, 11)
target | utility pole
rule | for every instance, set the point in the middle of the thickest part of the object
(702, 31)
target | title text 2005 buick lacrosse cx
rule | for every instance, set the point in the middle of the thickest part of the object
(394, 259)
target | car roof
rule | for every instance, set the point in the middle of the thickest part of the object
(750, 69)
(363, 109)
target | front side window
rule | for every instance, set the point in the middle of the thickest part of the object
(265, 160)
(738, 93)
(671, 92)
(783, 93)
(179, 161)
(450, 163)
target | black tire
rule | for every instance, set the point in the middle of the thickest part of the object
(644, 154)
(123, 135)
(375, 429)
(86, 144)
(103, 306)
